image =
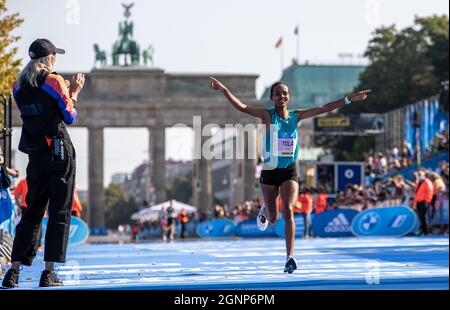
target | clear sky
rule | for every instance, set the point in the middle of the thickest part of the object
(204, 36)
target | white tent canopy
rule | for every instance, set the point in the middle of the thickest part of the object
(144, 213)
(152, 213)
(178, 206)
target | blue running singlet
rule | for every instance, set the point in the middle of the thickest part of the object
(281, 141)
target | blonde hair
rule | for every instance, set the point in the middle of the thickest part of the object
(436, 175)
(33, 69)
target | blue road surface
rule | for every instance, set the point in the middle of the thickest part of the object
(324, 264)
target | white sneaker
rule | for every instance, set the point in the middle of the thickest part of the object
(261, 220)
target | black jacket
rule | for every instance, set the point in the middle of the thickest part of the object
(44, 110)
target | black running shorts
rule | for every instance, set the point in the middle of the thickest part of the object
(278, 176)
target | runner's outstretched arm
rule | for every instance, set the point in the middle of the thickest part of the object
(246, 108)
(307, 113)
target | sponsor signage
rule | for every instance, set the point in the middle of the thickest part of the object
(349, 174)
(249, 228)
(78, 231)
(389, 221)
(334, 223)
(356, 123)
(333, 122)
(299, 226)
(216, 228)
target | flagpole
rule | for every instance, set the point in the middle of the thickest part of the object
(280, 46)
(297, 36)
(298, 46)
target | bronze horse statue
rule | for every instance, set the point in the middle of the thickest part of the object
(147, 55)
(126, 46)
(99, 55)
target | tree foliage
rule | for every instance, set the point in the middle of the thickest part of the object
(181, 190)
(9, 66)
(118, 208)
(405, 66)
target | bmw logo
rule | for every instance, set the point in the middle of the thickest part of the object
(369, 222)
(209, 229)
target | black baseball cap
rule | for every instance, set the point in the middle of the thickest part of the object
(43, 47)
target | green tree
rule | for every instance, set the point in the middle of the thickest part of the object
(405, 66)
(360, 147)
(347, 148)
(118, 208)
(9, 66)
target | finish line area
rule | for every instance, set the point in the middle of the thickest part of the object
(324, 264)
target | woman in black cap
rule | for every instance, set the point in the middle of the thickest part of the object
(46, 101)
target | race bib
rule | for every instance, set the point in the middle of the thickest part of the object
(286, 145)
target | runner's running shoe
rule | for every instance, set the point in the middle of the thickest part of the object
(291, 265)
(261, 220)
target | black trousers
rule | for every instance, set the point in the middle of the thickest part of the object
(38, 238)
(50, 182)
(183, 230)
(422, 212)
(433, 209)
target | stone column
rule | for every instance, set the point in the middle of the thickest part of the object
(157, 161)
(237, 176)
(202, 179)
(249, 164)
(95, 168)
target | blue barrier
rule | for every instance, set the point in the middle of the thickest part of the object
(334, 223)
(299, 226)
(78, 233)
(190, 227)
(248, 229)
(431, 164)
(216, 228)
(432, 121)
(390, 221)
(441, 214)
(98, 231)
(7, 212)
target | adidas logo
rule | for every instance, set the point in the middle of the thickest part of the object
(338, 224)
